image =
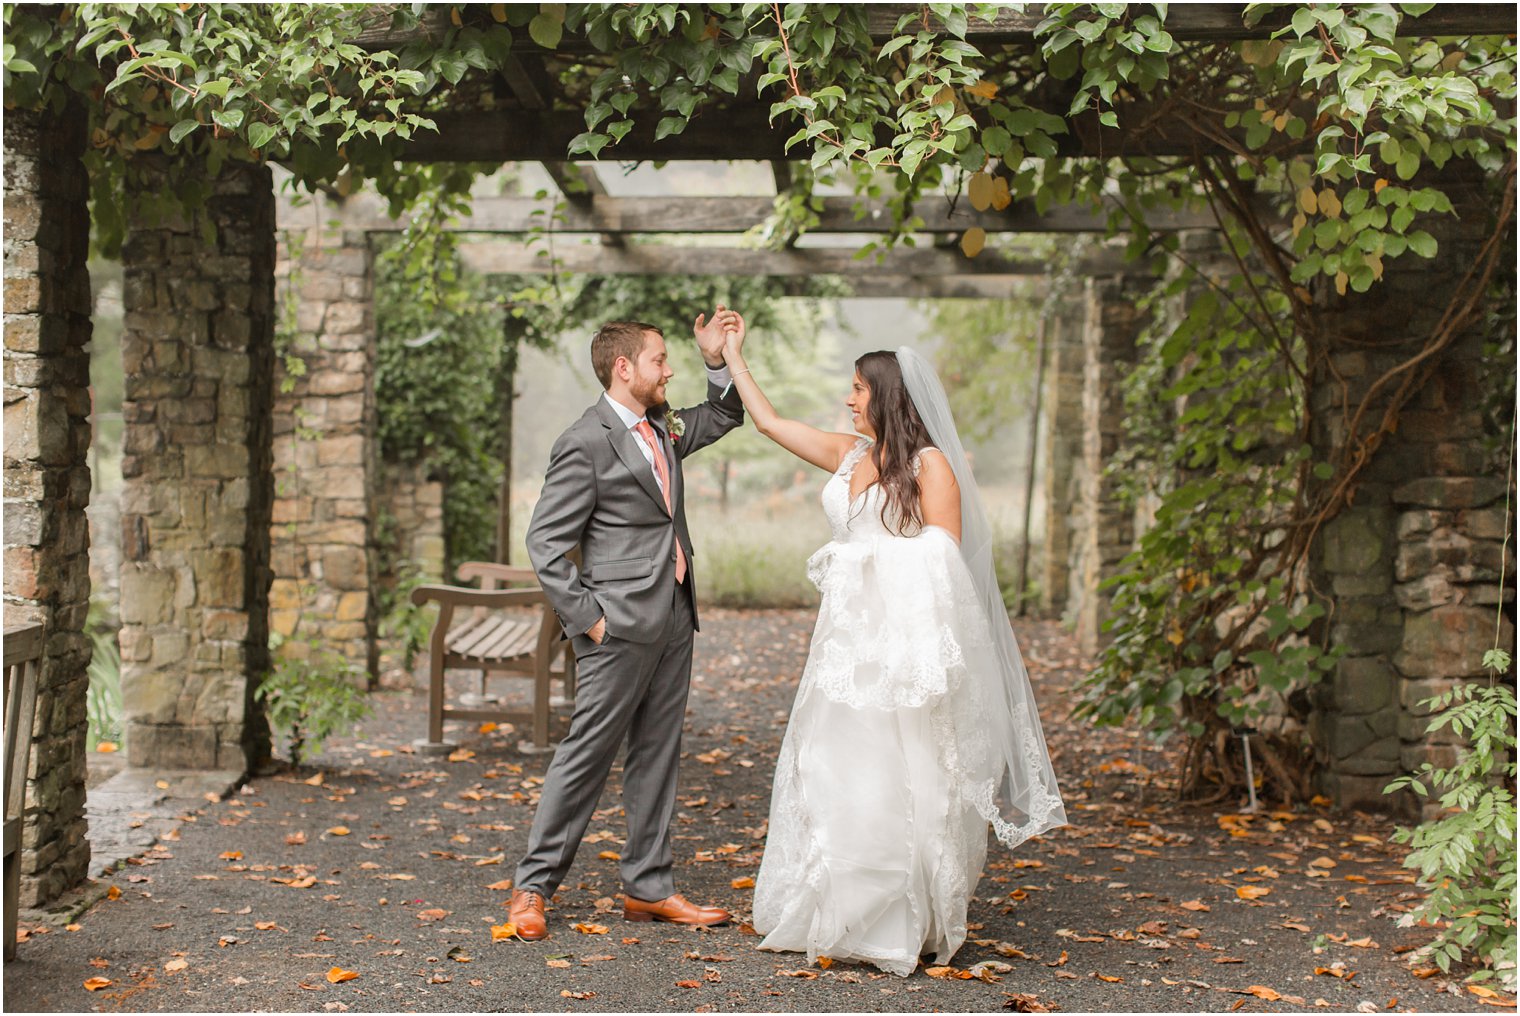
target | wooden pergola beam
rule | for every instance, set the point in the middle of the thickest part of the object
(497, 257)
(617, 216)
(1188, 22)
(1207, 22)
(742, 132)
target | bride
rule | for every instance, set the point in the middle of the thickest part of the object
(914, 728)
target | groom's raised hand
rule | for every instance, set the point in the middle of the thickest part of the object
(711, 335)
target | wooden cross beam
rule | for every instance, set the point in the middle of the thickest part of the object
(622, 216)
(497, 257)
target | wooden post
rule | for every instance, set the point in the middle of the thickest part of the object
(506, 380)
(1041, 350)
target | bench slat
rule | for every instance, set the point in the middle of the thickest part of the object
(482, 636)
(493, 642)
(510, 641)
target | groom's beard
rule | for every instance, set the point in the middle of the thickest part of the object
(649, 394)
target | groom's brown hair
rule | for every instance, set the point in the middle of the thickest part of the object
(615, 339)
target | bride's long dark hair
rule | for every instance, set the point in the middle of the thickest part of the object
(899, 434)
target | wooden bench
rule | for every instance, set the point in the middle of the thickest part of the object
(23, 660)
(484, 637)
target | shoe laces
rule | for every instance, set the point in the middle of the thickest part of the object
(530, 897)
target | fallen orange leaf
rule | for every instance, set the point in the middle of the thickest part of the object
(1111, 980)
(688, 984)
(230, 855)
(1252, 892)
(949, 973)
(610, 855)
(824, 962)
(106, 747)
(743, 883)
(488, 727)
(434, 914)
(577, 994)
(1197, 905)
(338, 975)
(590, 929)
(1262, 991)
(175, 966)
(503, 931)
(96, 983)
(265, 925)
(338, 830)
(505, 883)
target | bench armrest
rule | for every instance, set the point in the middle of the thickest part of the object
(490, 573)
(460, 596)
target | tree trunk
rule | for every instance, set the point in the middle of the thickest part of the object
(1034, 446)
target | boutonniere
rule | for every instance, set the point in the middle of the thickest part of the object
(674, 425)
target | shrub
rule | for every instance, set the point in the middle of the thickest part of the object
(307, 700)
(1466, 858)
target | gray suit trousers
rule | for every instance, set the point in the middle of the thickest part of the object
(624, 690)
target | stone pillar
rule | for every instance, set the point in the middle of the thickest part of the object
(411, 506)
(1413, 563)
(47, 477)
(1062, 453)
(1113, 323)
(198, 346)
(325, 444)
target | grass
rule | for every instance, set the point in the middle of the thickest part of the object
(757, 556)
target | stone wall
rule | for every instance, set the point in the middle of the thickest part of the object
(47, 478)
(197, 348)
(1413, 563)
(324, 446)
(1107, 534)
(412, 508)
(1062, 452)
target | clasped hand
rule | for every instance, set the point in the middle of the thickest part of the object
(724, 330)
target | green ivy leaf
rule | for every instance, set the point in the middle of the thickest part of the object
(260, 134)
(546, 31)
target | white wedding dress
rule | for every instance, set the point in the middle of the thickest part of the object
(885, 782)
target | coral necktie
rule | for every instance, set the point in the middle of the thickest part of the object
(647, 433)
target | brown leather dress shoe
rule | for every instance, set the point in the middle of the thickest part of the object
(674, 910)
(526, 911)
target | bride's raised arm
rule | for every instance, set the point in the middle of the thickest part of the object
(824, 449)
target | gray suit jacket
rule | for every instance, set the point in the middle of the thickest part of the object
(600, 493)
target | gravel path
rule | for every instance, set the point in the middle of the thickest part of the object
(390, 865)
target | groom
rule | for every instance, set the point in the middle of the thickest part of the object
(614, 489)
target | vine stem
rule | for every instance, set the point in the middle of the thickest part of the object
(791, 73)
(154, 72)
